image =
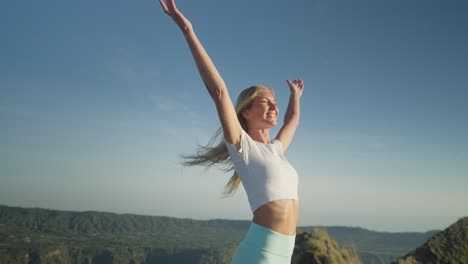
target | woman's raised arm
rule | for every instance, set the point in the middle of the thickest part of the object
(291, 118)
(209, 74)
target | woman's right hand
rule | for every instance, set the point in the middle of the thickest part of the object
(171, 9)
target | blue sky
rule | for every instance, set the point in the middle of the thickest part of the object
(100, 98)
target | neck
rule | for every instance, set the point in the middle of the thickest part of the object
(260, 135)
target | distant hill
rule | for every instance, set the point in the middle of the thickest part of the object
(28, 234)
(32, 235)
(449, 246)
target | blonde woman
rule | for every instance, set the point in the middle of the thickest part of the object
(258, 162)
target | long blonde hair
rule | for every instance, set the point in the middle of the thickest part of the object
(215, 152)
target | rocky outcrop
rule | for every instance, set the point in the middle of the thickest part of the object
(316, 247)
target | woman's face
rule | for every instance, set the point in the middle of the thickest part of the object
(263, 113)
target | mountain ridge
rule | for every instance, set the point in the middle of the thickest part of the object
(170, 236)
(213, 220)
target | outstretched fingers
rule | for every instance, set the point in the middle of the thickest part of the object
(296, 86)
(171, 5)
(299, 83)
(168, 6)
(295, 83)
(164, 7)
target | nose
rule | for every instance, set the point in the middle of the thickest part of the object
(272, 106)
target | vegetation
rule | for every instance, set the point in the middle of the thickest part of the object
(316, 247)
(378, 247)
(31, 235)
(47, 236)
(449, 246)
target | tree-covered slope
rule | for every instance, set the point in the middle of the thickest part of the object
(82, 237)
(50, 236)
(63, 222)
(449, 246)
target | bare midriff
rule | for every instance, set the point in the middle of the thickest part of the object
(280, 215)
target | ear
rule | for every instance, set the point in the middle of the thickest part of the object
(246, 114)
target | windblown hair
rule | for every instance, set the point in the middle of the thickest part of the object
(216, 152)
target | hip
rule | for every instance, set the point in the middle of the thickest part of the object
(264, 246)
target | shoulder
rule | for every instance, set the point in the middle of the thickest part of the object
(277, 143)
(245, 143)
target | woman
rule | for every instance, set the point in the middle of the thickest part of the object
(270, 181)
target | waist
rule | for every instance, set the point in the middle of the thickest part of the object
(280, 216)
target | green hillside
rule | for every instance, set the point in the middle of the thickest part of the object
(29, 234)
(87, 237)
(447, 247)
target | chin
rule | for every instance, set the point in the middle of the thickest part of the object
(268, 124)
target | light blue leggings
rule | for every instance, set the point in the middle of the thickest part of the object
(264, 246)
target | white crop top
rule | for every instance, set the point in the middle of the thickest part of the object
(265, 172)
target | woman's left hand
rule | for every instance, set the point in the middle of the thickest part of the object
(296, 87)
(171, 9)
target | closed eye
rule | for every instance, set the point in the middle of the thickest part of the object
(266, 101)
